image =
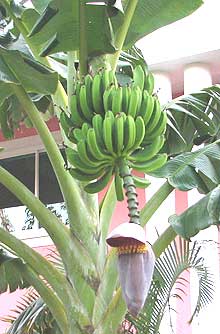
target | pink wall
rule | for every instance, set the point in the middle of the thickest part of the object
(8, 300)
(183, 306)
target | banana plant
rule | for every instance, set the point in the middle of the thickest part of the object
(32, 314)
(49, 53)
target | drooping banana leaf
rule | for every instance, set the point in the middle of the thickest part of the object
(19, 69)
(11, 269)
(148, 17)
(198, 169)
(151, 15)
(199, 216)
(32, 314)
(192, 119)
(58, 27)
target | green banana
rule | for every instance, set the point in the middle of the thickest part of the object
(94, 147)
(154, 118)
(86, 111)
(97, 123)
(147, 107)
(140, 133)
(88, 83)
(110, 114)
(76, 135)
(119, 189)
(76, 116)
(84, 177)
(105, 79)
(129, 134)
(125, 98)
(66, 123)
(149, 151)
(77, 88)
(100, 184)
(139, 77)
(140, 182)
(108, 135)
(149, 83)
(159, 129)
(85, 128)
(112, 78)
(85, 155)
(117, 101)
(97, 94)
(74, 159)
(150, 165)
(118, 137)
(107, 98)
(134, 101)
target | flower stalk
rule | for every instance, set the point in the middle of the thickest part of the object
(130, 192)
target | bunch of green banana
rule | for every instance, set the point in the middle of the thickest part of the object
(100, 149)
(101, 93)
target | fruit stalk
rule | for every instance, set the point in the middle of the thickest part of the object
(130, 192)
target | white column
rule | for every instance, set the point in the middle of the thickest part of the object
(196, 77)
(163, 87)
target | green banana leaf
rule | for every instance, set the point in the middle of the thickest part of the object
(198, 169)
(19, 69)
(58, 28)
(32, 316)
(192, 119)
(11, 269)
(40, 5)
(151, 15)
(199, 216)
(56, 33)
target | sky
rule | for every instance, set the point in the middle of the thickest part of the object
(194, 34)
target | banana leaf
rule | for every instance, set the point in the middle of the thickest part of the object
(54, 27)
(192, 119)
(58, 27)
(198, 169)
(11, 269)
(151, 15)
(19, 69)
(199, 216)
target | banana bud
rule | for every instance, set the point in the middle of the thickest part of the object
(135, 264)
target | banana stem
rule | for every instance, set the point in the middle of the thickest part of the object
(76, 207)
(71, 56)
(154, 203)
(83, 48)
(122, 33)
(53, 302)
(131, 193)
(41, 265)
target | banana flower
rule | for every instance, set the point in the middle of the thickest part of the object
(135, 264)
